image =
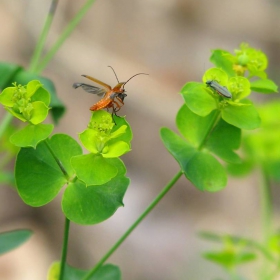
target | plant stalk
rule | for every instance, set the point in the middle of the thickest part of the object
(6, 120)
(43, 36)
(134, 225)
(64, 249)
(266, 206)
(65, 34)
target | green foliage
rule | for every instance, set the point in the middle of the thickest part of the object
(95, 203)
(40, 186)
(261, 148)
(211, 120)
(106, 272)
(104, 137)
(214, 114)
(12, 73)
(12, 239)
(96, 184)
(27, 103)
(31, 135)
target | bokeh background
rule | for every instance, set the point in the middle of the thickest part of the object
(172, 41)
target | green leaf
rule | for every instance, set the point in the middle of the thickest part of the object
(40, 112)
(94, 169)
(229, 259)
(223, 60)
(198, 99)
(206, 173)
(12, 239)
(215, 74)
(264, 86)
(106, 272)
(38, 93)
(6, 96)
(202, 169)
(244, 117)
(223, 140)
(238, 241)
(38, 175)
(106, 138)
(7, 73)
(90, 141)
(115, 149)
(192, 126)
(93, 204)
(31, 135)
(241, 169)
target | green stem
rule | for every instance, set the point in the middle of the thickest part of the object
(65, 34)
(43, 36)
(6, 120)
(266, 206)
(214, 121)
(136, 223)
(64, 248)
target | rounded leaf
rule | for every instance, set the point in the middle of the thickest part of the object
(39, 176)
(206, 173)
(224, 60)
(215, 74)
(193, 126)
(198, 99)
(93, 169)
(93, 204)
(40, 112)
(31, 135)
(264, 86)
(115, 149)
(244, 117)
(6, 96)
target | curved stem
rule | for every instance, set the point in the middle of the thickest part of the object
(64, 248)
(42, 39)
(136, 223)
(266, 206)
(65, 34)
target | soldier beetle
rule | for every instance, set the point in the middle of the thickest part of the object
(111, 97)
(223, 91)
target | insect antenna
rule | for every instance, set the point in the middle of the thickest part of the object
(114, 73)
(133, 77)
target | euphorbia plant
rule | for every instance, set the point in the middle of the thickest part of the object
(212, 126)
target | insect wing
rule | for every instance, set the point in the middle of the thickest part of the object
(90, 89)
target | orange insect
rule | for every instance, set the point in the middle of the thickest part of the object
(111, 97)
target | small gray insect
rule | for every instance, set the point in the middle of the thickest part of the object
(221, 90)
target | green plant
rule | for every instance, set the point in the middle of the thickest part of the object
(210, 125)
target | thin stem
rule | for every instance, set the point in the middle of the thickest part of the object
(134, 225)
(215, 119)
(43, 36)
(266, 206)
(65, 34)
(6, 120)
(64, 248)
